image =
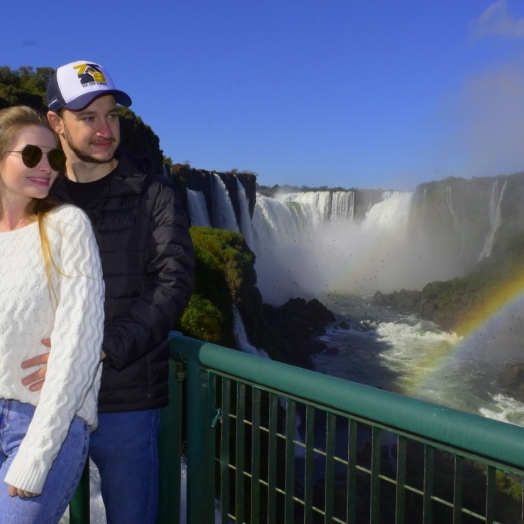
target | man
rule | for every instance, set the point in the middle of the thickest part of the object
(148, 265)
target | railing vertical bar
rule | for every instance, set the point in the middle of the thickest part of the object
(522, 501)
(255, 456)
(351, 505)
(239, 453)
(429, 468)
(309, 464)
(458, 485)
(290, 460)
(376, 449)
(170, 448)
(225, 431)
(79, 509)
(201, 502)
(330, 466)
(272, 458)
(400, 495)
(212, 439)
(491, 486)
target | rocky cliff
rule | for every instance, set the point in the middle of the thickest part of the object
(202, 180)
(225, 277)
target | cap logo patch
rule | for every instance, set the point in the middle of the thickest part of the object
(90, 74)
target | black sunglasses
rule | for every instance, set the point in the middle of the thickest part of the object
(31, 156)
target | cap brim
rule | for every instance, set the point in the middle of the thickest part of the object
(83, 101)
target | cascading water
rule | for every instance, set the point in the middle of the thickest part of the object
(494, 217)
(245, 217)
(324, 244)
(342, 205)
(323, 206)
(223, 214)
(197, 208)
(241, 336)
(303, 250)
(276, 222)
(244, 344)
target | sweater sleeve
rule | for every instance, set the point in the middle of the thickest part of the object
(170, 273)
(76, 342)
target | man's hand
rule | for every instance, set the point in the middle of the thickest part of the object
(13, 492)
(35, 380)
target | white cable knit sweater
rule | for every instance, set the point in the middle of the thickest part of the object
(73, 322)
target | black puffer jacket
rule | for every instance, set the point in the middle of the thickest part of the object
(148, 265)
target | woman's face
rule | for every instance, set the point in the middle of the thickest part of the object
(19, 182)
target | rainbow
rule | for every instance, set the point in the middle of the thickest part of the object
(482, 328)
(506, 296)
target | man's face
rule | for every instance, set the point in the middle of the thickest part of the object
(92, 134)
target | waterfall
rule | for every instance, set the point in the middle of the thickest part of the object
(324, 206)
(276, 222)
(390, 214)
(197, 208)
(305, 245)
(317, 204)
(461, 231)
(223, 214)
(245, 217)
(447, 196)
(244, 344)
(358, 241)
(343, 205)
(241, 336)
(494, 217)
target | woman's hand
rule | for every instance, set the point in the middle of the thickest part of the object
(35, 380)
(13, 492)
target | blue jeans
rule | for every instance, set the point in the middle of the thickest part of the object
(125, 451)
(62, 479)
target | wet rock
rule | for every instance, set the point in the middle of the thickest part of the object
(512, 375)
(511, 380)
(299, 324)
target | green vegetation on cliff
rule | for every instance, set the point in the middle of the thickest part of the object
(225, 276)
(459, 303)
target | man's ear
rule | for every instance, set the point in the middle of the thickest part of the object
(56, 122)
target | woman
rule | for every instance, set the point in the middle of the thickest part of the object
(50, 287)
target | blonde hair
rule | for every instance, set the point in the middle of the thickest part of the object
(12, 121)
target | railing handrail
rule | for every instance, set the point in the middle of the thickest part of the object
(466, 431)
(496, 444)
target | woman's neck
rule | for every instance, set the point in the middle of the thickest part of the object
(13, 217)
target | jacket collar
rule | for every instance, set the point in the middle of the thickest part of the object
(127, 178)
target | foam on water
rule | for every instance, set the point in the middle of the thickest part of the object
(382, 348)
(505, 409)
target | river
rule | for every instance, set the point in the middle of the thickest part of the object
(380, 347)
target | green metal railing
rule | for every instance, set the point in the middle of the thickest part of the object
(268, 442)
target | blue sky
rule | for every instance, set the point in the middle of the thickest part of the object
(352, 93)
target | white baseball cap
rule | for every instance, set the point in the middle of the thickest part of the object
(74, 86)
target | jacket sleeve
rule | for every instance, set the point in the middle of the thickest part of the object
(76, 341)
(170, 280)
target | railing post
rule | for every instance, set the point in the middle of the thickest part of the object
(200, 498)
(79, 509)
(170, 448)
